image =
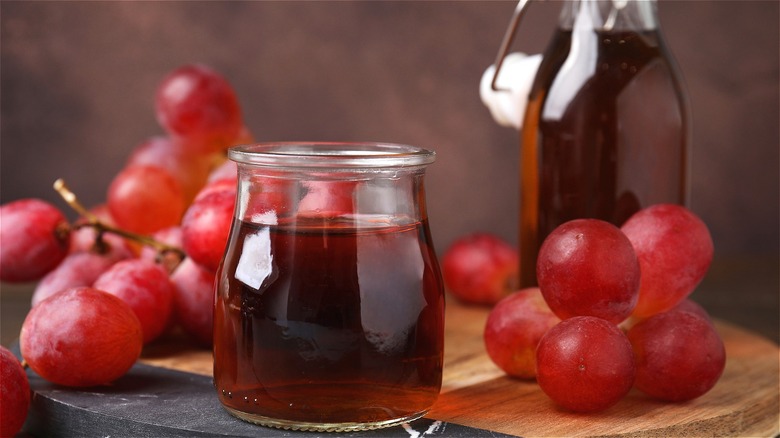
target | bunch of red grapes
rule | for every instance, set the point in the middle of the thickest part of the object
(611, 311)
(101, 293)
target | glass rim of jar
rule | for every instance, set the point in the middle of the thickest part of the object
(349, 155)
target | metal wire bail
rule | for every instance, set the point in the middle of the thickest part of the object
(509, 36)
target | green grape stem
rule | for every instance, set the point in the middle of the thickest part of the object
(163, 250)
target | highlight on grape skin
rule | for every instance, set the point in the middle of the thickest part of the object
(35, 238)
(81, 337)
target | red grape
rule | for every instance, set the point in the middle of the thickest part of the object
(84, 238)
(102, 213)
(193, 300)
(513, 330)
(480, 268)
(170, 236)
(35, 237)
(81, 337)
(146, 288)
(327, 198)
(199, 106)
(14, 394)
(245, 136)
(679, 355)
(206, 226)
(585, 364)
(78, 269)
(216, 186)
(227, 170)
(675, 250)
(587, 267)
(145, 199)
(269, 196)
(190, 170)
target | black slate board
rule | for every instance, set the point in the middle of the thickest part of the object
(156, 402)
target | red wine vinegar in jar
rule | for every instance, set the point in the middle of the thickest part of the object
(329, 310)
(331, 333)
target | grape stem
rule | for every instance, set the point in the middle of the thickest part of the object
(93, 221)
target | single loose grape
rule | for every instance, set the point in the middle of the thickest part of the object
(480, 268)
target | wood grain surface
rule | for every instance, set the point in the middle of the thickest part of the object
(475, 393)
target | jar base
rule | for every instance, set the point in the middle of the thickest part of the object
(322, 427)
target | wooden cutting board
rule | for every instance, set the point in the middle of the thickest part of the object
(475, 393)
(170, 393)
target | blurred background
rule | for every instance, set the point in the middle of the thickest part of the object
(78, 79)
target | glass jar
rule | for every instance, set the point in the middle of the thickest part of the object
(606, 128)
(329, 310)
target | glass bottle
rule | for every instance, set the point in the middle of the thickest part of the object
(329, 311)
(606, 127)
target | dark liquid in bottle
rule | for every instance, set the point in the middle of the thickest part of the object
(329, 323)
(604, 135)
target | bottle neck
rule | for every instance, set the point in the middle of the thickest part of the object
(610, 15)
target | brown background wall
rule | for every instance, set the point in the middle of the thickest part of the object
(78, 80)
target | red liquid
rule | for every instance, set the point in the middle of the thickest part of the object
(346, 327)
(604, 135)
